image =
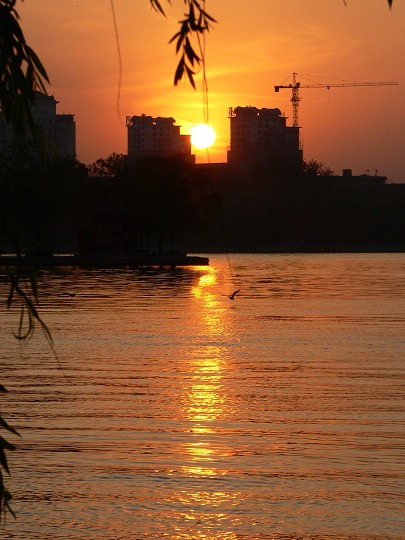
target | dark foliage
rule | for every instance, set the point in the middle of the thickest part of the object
(111, 166)
(313, 169)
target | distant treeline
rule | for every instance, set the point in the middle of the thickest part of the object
(165, 204)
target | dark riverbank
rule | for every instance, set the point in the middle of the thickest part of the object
(166, 206)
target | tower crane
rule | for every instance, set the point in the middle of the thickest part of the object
(295, 87)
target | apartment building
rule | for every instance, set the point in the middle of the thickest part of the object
(258, 136)
(148, 136)
(59, 130)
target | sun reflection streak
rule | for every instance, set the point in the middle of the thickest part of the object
(206, 406)
(212, 312)
(205, 399)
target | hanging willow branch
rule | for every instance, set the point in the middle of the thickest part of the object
(21, 72)
(29, 316)
(196, 23)
(5, 495)
(26, 300)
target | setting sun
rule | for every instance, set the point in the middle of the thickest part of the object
(202, 136)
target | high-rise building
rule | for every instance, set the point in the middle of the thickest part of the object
(260, 136)
(59, 130)
(149, 136)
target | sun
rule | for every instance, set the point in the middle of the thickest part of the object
(202, 136)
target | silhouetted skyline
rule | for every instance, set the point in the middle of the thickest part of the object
(251, 49)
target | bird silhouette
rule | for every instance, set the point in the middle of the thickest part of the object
(232, 296)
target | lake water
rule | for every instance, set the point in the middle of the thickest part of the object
(181, 414)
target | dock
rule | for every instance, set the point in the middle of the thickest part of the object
(162, 260)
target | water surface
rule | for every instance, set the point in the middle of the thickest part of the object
(182, 414)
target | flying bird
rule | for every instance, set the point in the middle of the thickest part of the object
(232, 296)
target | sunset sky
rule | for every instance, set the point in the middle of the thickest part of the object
(254, 46)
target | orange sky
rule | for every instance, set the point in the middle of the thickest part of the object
(254, 46)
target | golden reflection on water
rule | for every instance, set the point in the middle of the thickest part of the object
(205, 406)
(209, 308)
(205, 400)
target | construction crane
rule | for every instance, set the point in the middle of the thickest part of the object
(295, 87)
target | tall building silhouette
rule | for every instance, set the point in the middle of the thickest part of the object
(58, 130)
(148, 136)
(260, 136)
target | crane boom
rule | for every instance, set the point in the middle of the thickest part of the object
(295, 86)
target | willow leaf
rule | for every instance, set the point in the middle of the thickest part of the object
(7, 426)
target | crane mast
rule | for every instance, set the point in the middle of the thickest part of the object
(295, 87)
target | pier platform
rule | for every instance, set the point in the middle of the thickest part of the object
(163, 260)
